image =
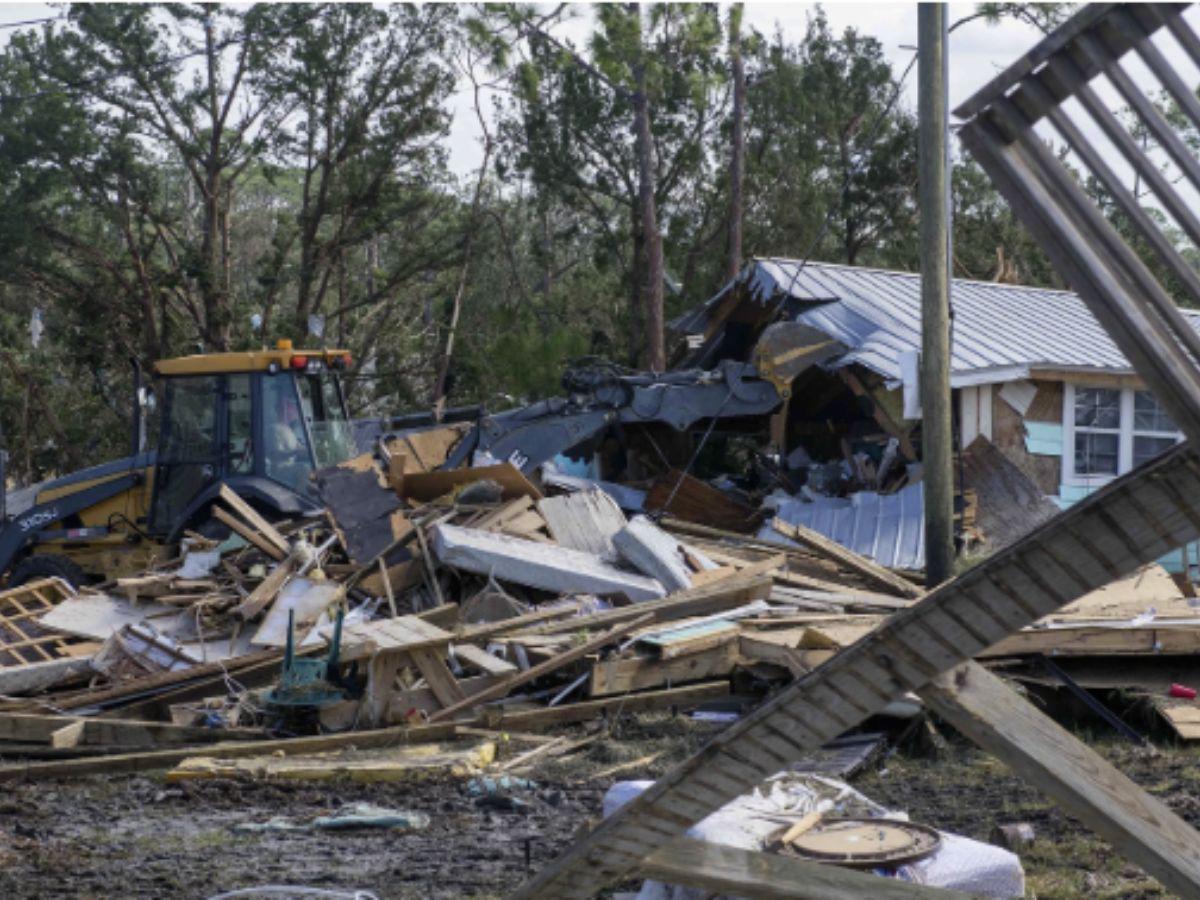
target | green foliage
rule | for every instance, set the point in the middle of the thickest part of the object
(171, 174)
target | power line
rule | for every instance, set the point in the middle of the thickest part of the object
(25, 22)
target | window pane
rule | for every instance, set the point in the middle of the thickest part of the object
(1148, 415)
(238, 409)
(285, 457)
(1095, 454)
(1097, 408)
(1146, 448)
(326, 419)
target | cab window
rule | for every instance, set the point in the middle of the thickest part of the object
(187, 455)
(325, 415)
(239, 416)
(286, 456)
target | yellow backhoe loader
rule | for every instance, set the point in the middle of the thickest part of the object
(259, 422)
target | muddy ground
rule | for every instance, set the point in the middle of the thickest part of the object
(116, 837)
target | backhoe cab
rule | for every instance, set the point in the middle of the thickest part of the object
(259, 422)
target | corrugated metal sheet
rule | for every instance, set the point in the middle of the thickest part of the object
(877, 312)
(888, 528)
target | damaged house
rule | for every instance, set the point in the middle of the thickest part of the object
(1032, 371)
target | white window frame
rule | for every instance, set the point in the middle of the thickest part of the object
(1124, 439)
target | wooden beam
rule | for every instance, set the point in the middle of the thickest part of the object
(33, 728)
(525, 720)
(748, 585)
(844, 556)
(1086, 785)
(731, 871)
(505, 687)
(248, 533)
(251, 515)
(621, 675)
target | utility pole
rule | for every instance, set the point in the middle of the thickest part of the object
(934, 201)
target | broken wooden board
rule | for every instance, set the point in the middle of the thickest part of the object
(696, 501)
(546, 567)
(1148, 640)
(1182, 715)
(1009, 504)
(425, 487)
(514, 720)
(745, 587)
(507, 685)
(1132, 520)
(586, 520)
(428, 448)
(689, 637)
(623, 674)
(31, 678)
(371, 767)
(252, 517)
(478, 658)
(41, 729)
(400, 634)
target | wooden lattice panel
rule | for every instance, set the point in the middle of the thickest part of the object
(23, 639)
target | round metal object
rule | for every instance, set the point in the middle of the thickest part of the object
(865, 842)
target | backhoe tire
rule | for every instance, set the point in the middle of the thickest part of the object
(47, 565)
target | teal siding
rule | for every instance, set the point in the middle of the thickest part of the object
(1044, 438)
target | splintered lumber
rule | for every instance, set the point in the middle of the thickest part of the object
(736, 590)
(846, 557)
(485, 630)
(653, 552)
(268, 589)
(1085, 784)
(620, 675)
(248, 533)
(394, 764)
(549, 568)
(40, 676)
(31, 728)
(478, 658)
(717, 869)
(425, 487)
(525, 720)
(586, 520)
(1132, 520)
(213, 673)
(251, 516)
(505, 687)
(694, 500)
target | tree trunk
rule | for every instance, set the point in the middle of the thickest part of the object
(737, 158)
(443, 367)
(654, 353)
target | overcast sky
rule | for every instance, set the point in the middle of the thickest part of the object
(978, 51)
